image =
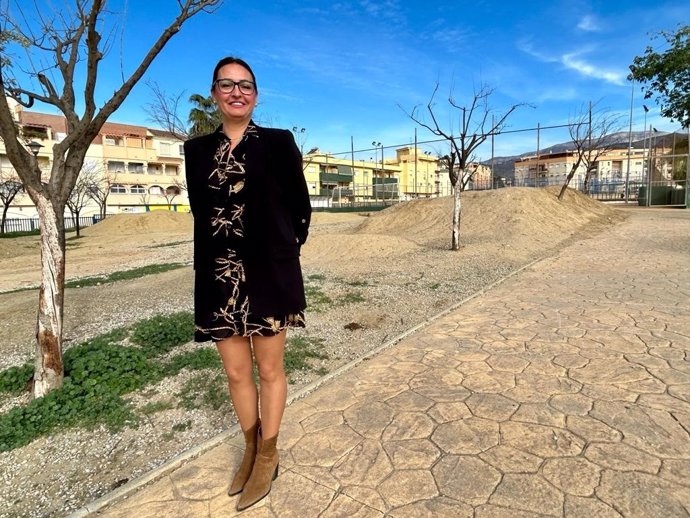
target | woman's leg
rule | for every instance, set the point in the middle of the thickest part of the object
(236, 354)
(269, 352)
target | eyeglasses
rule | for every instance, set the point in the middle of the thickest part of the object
(226, 86)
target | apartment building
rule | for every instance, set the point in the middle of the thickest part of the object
(411, 174)
(140, 168)
(610, 167)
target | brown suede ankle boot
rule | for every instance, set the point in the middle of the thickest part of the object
(264, 473)
(245, 469)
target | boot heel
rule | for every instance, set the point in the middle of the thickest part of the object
(275, 473)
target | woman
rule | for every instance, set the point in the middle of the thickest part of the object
(251, 215)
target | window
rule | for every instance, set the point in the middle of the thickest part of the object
(155, 169)
(110, 140)
(116, 167)
(171, 170)
(165, 149)
(135, 167)
(118, 188)
(155, 189)
(172, 190)
(137, 189)
(181, 150)
(135, 142)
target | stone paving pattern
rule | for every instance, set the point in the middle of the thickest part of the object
(564, 391)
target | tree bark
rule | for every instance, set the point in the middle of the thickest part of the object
(457, 208)
(49, 372)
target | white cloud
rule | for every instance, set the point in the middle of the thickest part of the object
(589, 23)
(572, 62)
(527, 47)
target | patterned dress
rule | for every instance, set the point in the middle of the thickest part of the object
(230, 313)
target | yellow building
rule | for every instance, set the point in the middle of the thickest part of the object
(140, 168)
(333, 180)
(419, 172)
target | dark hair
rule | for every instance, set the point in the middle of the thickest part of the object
(230, 61)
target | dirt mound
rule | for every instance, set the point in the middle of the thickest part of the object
(498, 216)
(144, 223)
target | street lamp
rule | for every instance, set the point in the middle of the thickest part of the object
(300, 139)
(377, 145)
(35, 147)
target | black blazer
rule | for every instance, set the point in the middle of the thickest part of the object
(276, 219)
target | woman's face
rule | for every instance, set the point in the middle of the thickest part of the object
(236, 104)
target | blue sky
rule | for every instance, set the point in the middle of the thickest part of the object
(344, 69)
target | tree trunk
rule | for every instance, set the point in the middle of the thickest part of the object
(4, 218)
(457, 207)
(49, 372)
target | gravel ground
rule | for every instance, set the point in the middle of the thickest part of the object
(55, 475)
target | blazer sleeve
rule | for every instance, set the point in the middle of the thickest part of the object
(297, 191)
(190, 164)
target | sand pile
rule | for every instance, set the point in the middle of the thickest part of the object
(161, 221)
(518, 219)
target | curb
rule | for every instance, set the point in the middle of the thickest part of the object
(176, 462)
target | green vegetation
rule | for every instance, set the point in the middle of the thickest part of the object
(205, 389)
(11, 235)
(124, 275)
(299, 350)
(173, 243)
(156, 406)
(14, 380)
(352, 297)
(162, 333)
(317, 300)
(100, 372)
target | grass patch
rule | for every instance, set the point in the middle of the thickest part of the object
(298, 352)
(15, 379)
(205, 390)
(357, 283)
(135, 273)
(317, 300)
(157, 406)
(352, 297)
(11, 235)
(435, 286)
(194, 360)
(98, 373)
(173, 243)
(162, 333)
(316, 277)
(102, 371)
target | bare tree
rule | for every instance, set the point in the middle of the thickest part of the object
(145, 198)
(163, 110)
(591, 131)
(10, 187)
(82, 193)
(173, 191)
(71, 40)
(477, 125)
(99, 187)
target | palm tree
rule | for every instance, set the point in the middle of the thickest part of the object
(204, 117)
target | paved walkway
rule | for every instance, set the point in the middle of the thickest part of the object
(564, 391)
